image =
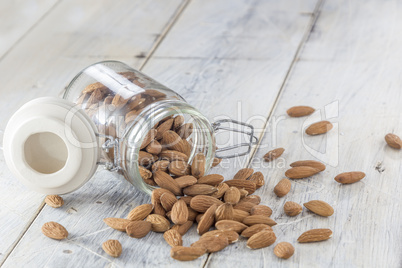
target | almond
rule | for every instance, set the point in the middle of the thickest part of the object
(229, 225)
(173, 238)
(224, 212)
(138, 229)
(261, 210)
(261, 240)
(167, 201)
(393, 140)
(185, 181)
(183, 228)
(301, 172)
(212, 243)
(173, 155)
(199, 217)
(284, 250)
(199, 189)
(185, 130)
(239, 215)
(299, 111)
(319, 128)
(167, 182)
(192, 214)
(232, 196)
(255, 199)
(145, 173)
(179, 212)
(112, 248)
(282, 188)
(172, 141)
(257, 219)
(161, 165)
(292, 208)
(221, 190)
(162, 128)
(181, 253)
(216, 161)
(139, 213)
(258, 179)
(54, 230)
(159, 223)
(201, 203)
(243, 174)
(117, 223)
(315, 235)
(249, 186)
(256, 228)
(198, 165)
(245, 206)
(154, 147)
(186, 199)
(319, 207)
(232, 236)
(156, 195)
(148, 138)
(178, 121)
(273, 154)
(350, 177)
(309, 163)
(146, 159)
(212, 179)
(54, 201)
(243, 193)
(207, 220)
(179, 168)
(158, 209)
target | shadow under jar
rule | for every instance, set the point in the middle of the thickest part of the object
(126, 107)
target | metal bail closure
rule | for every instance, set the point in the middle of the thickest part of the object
(232, 126)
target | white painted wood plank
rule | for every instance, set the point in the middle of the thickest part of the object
(17, 17)
(73, 35)
(195, 78)
(349, 62)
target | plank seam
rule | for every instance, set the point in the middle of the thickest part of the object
(313, 20)
(30, 29)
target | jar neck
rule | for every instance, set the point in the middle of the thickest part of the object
(203, 138)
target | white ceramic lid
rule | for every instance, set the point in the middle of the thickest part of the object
(51, 146)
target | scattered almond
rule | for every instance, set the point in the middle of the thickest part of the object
(212, 179)
(243, 174)
(292, 208)
(261, 210)
(319, 207)
(256, 228)
(221, 190)
(54, 230)
(319, 128)
(112, 248)
(258, 179)
(216, 162)
(224, 212)
(273, 154)
(284, 250)
(198, 165)
(179, 212)
(207, 220)
(167, 182)
(299, 111)
(55, 201)
(258, 219)
(117, 223)
(350, 177)
(139, 213)
(185, 181)
(315, 235)
(183, 228)
(167, 201)
(261, 239)
(232, 236)
(138, 229)
(309, 163)
(249, 186)
(173, 238)
(201, 203)
(199, 189)
(239, 215)
(229, 225)
(181, 253)
(159, 223)
(393, 140)
(212, 243)
(301, 172)
(282, 188)
(232, 195)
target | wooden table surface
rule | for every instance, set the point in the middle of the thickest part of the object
(246, 59)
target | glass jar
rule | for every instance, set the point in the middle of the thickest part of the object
(115, 116)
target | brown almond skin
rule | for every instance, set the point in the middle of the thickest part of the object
(216, 162)
(159, 223)
(284, 250)
(256, 228)
(212, 179)
(172, 141)
(199, 189)
(232, 196)
(221, 190)
(172, 155)
(292, 208)
(243, 174)
(319, 207)
(273, 154)
(186, 199)
(54, 230)
(167, 182)
(282, 188)
(228, 225)
(117, 223)
(258, 219)
(207, 220)
(310, 163)
(148, 138)
(232, 236)
(185, 130)
(198, 165)
(185, 181)
(178, 168)
(55, 201)
(258, 179)
(179, 212)
(224, 212)
(112, 248)
(318, 128)
(183, 228)
(161, 165)
(178, 121)
(240, 215)
(212, 243)
(167, 201)
(393, 140)
(350, 177)
(181, 253)
(255, 199)
(139, 213)
(261, 240)
(162, 128)
(299, 111)
(315, 235)
(245, 206)
(249, 186)
(138, 229)
(201, 203)
(145, 173)
(301, 172)
(154, 147)
(173, 238)
(261, 210)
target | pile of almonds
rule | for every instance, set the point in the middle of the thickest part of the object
(187, 196)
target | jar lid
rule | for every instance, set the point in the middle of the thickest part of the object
(51, 146)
